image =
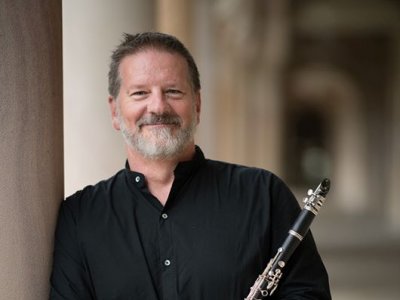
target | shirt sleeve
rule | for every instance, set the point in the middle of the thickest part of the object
(70, 278)
(304, 276)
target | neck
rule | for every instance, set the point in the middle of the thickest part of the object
(150, 166)
(159, 173)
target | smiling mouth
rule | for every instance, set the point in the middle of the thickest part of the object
(155, 125)
(159, 121)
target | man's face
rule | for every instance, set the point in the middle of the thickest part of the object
(156, 109)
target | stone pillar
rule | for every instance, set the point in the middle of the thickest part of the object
(31, 153)
(93, 150)
(265, 119)
(174, 17)
(253, 39)
(393, 206)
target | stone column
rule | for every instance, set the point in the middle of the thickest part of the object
(93, 150)
(174, 17)
(392, 210)
(31, 153)
(265, 119)
(252, 38)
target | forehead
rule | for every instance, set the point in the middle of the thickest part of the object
(154, 63)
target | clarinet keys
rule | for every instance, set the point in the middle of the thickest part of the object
(267, 282)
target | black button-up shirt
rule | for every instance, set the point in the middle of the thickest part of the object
(219, 228)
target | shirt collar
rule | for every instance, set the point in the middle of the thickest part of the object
(182, 170)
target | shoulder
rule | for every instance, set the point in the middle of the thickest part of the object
(93, 195)
(256, 185)
(242, 173)
(246, 179)
(252, 186)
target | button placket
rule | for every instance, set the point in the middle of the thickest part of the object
(168, 266)
(167, 262)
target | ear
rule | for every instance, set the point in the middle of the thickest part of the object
(112, 103)
(198, 105)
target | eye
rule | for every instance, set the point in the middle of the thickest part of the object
(138, 95)
(174, 93)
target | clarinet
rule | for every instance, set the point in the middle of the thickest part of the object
(268, 280)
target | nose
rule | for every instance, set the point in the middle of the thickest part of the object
(158, 103)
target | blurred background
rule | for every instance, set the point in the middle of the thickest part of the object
(307, 89)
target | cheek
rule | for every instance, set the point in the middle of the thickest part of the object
(131, 114)
(185, 111)
(186, 117)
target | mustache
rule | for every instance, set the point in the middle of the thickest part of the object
(155, 119)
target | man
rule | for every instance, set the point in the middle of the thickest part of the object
(173, 224)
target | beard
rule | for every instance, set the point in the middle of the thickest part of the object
(159, 143)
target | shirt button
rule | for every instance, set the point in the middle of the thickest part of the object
(164, 216)
(137, 178)
(167, 262)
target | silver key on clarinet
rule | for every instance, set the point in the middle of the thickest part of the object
(267, 282)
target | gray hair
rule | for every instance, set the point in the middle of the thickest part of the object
(142, 41)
